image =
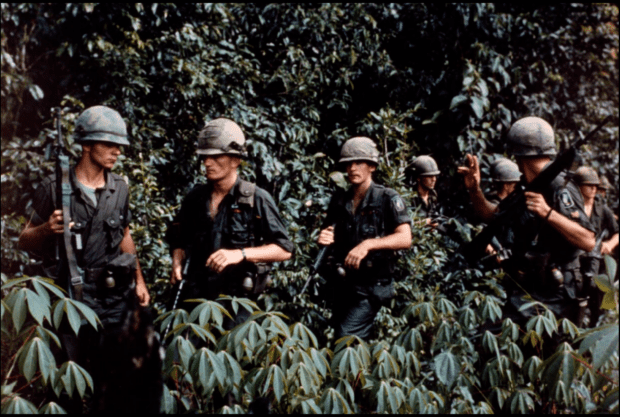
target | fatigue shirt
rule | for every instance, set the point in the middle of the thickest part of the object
(425, 210)
(195, 231)
(100, 229)
(602, 218)
(534, 235)
(379, 214)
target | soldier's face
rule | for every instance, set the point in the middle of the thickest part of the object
(359, 172)
(588, 191)
(428, 182)
(219, 167)
(102, 154)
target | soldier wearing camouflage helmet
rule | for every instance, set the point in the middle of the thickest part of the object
(603, 187)
(366, 223)
(548, 236)
(228, 231)
(603, 220)
(505, 175)
(99, 227)
(425, 202)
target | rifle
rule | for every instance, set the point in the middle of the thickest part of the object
(318, 263)
(513, 205)
(63, 202)
(179, 290)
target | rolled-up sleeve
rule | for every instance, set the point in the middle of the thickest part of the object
(272, 228)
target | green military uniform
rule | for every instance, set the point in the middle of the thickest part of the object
(544, 263)
(237, 225)
(97, 234)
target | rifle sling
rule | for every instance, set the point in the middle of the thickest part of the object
(75, 277)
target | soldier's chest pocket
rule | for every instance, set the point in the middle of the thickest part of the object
(114, 230)
(369, 226)
(239, 228)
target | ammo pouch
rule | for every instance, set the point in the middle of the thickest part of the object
(382, 292)
(116, 275)
(261, 278)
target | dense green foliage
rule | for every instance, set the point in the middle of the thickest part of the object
(300, 79)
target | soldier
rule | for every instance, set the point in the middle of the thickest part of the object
(371, 223)
(547, 236)
(603, 186)
(506, 175)
(103, 246)
(228, 229)
(425, 197)
(603, 220)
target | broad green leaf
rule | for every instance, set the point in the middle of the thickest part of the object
(36, 356)
(52, 408)
(17, 405)
(446, 368)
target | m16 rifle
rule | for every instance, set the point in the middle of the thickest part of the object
(65, 255)
(318, 263)
(513, 205)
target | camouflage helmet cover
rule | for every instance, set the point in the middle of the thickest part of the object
(586, 176)
(100, 124)
(425, 165)
(504, 170)
(221, 137)
(605, 185)
(359, 149)
(531, 136)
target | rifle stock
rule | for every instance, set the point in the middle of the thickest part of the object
(514, 204)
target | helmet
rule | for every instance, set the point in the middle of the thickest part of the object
(586, 176)
(359, 149)
(425, 165)
(101, 124)
(221, 137)
(604, 183)
(531, 136)
(504, 170)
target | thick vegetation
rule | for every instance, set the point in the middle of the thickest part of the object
(300, 79)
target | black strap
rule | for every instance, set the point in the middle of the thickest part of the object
(75, 276)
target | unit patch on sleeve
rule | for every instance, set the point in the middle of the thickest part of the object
(566, 199)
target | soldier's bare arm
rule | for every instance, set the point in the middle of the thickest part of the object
(178, 255)
(127, 246)
(576, 234)
(400, 239)
(220, 259)
(471, 175)
(33, 237)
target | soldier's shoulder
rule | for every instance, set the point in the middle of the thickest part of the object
(48, 180)
(119, 180)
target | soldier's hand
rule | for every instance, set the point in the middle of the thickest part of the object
(354, 258)
(536, 203)
(177, 266)
(607, 248)
(471, 172)
(224, 257)
(55, 222)
(326, 237)
(143, 294)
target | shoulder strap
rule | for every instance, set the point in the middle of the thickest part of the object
(246, 191)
